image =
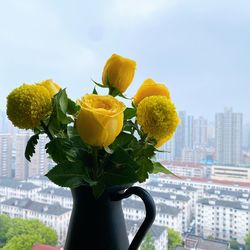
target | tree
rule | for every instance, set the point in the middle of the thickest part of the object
(247, 241)
(24, 242)
(210, 237)
(148, 242)
(174, 239)
(23, 227)
(234, 244)
(5, 223)
(22, 234)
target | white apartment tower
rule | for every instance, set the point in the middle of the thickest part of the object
(228, 137)
(184, 134)
(39, 161)
(5, 154)
(200, 131)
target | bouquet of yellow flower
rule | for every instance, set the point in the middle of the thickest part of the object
(97, 140)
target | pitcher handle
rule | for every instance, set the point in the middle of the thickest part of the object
(150, 213)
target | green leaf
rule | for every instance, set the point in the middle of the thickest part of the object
(159, 168)
(30, 147)
(69, 175)
(146, 166)
(98, 188)
(121, 168)
(61, 150)
(60, 106)
(94, 91)
(73, 108)
(129, 113)
(99, 84)
(71, 131)
(122, 140)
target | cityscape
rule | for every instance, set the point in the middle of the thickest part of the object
(206, 201)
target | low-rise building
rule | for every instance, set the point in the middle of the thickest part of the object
(185, 190)
(42, 181)
(227, 195)
(54, 216)
(193, 242)
(187, 169)
(167, 216)
(11, 188)
(231, 173)
(182, 202)
(55, 195)
(203, 183)
(221, 219)
(158, 233)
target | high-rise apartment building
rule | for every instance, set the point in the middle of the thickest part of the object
(4, 123)
(200, 132)
(5, 155)
(21, 166)
(39, 164)
(228, 137)
(184, 134)
(179, 136)
(246, 136)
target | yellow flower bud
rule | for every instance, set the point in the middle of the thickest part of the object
(158, 118)
(118, 72)
(27, 105)
(100, 119)
(51, 86)
(148, 88)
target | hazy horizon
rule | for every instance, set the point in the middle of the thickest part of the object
(199, 49)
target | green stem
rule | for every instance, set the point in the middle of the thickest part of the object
(46, 130)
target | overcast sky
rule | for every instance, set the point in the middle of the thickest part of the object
(199, 48)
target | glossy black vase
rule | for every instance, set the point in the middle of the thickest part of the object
(98, 224)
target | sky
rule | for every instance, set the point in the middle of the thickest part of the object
(199, 48)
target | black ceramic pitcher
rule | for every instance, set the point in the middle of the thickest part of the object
(98, 224)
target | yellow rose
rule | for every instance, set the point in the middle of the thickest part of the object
(51, 86)
(148, 88)
(100, 119)
(118, 72)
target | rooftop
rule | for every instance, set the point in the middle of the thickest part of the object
(28, 204)
(57, 192)
(222, 192)
(133, 225)
(39, 177)
(209, 181)
(160, 207)
(222, 203)
(193, 241)
(45, 247)
(12, 183)
(171, 186)
(183, 164)
(170, 196)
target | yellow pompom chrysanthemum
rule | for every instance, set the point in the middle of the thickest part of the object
(158, 118)
(27, 105)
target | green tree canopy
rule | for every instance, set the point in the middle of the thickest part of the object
(148, 242)
(20, 233)
(5, 223)
(247, 241)
(21, 226)
(234, 244)
(24, 242)
(174, 239)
